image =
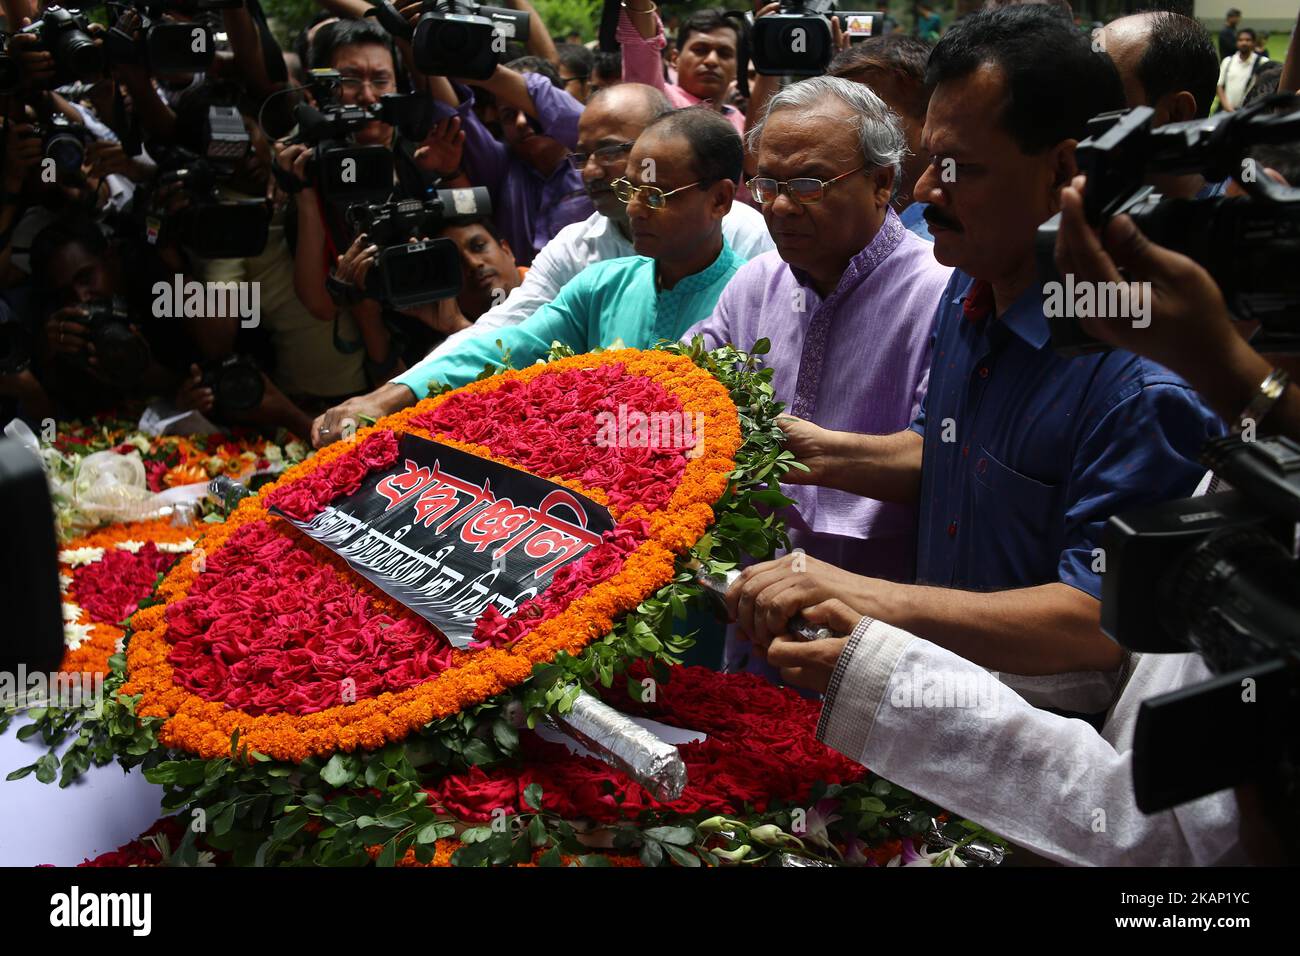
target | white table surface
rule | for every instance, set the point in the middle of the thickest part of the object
(40, 823)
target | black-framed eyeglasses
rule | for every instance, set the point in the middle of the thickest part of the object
(804, 190)
(654, 197)
(605, 156)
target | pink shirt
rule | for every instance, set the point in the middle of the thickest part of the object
(642, 63)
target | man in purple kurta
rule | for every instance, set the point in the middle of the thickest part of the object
(847, 301)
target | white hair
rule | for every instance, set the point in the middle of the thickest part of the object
(879, 133)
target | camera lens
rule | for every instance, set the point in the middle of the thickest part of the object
(78, 55)
(123, 355)
(67, 152)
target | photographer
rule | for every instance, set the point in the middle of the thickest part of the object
(314, 363)
(608, 128)
(535, 192)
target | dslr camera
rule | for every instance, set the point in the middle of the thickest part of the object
(66, 35)
(1248, 244)
(457, 37)
(65, 142)
(410, 270)
(797, 40)
(236, 384)
(122, 353)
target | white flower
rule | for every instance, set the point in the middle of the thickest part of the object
(119, 645)
(140, 441)
(74, 634)
(77, 557)
(65, 582)
(272, 454)
(132, 546)
(71, 613)
(175, 547)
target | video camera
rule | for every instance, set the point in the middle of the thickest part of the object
(465, 44)
(165, 46)
(1215, 575)
(797, 40)
(1248, 244)
(344, 171)
(409, 269)
(208, 225)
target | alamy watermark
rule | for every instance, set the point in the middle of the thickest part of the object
(637, 429)
(191, 299)
(967, 688)
(20, 690)
(1098, 300)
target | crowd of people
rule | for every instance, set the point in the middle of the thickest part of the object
(876, 223)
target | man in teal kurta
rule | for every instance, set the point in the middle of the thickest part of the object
(682, 174)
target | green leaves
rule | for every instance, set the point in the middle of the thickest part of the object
(339, 770)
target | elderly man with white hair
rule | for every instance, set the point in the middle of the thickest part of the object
(847, 301)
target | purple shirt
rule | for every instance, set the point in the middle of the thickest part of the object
(856, 361)
(528, 208)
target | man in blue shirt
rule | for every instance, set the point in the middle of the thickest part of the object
(681, 179)
(1019, 455)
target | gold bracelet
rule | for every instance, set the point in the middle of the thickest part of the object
(653, 7)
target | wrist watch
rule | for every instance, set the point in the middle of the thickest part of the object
(1270, 390)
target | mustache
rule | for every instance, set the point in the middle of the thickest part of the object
(936, 218)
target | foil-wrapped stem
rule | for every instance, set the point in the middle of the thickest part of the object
(622, 743)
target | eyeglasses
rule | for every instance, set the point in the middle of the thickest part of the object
(605, 156)
(652, 196)
(804, 190)
(380, 82)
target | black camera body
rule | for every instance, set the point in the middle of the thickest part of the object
(122, 355)
(460, 38)
(797, 41)
(65, 34)
(344, 171)
(410, 270)
(236, 384)
(1215, 575)
(1248, 244)
(209, 226)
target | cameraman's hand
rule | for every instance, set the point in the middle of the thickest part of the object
(293, 159)
(354, 265)
(442, 316)
(194, 395)
(442, 149)
(839, 39)
(67, 335)
(35, 66)
(1189, 325)
(23, 151)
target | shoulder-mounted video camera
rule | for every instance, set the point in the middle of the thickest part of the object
(459, 38)
(411, 269)
(1215, 575)
(797, 41)
(208, 225)
(1248, 244)
(165, 46)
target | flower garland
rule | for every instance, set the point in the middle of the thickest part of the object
(205, 726)
(104, 576)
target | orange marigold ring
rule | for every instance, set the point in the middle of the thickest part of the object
(204, 726)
